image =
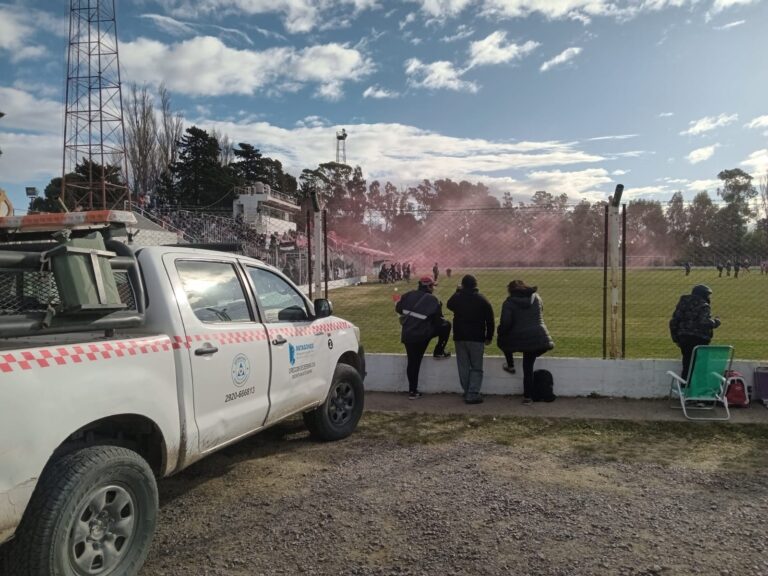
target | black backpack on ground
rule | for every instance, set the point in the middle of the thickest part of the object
(543, 385)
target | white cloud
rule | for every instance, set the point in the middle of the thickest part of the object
(620, 172)
(411, 17)
(313, 122)
(709, 123)
(30, 157)
(170, 25)
(495, 50)
(437, 75)
(23, 111)
(378, 93)
(701, 154)
(616, 137)
(731, 25)
(757, 162)
(721, 5)
(759, 122)
(646, 191)
(666, 114)
(405, 154)
(702, 185)
(562, 58)
(581, 183)
(462, 32)
(205, 66)
(441, 9)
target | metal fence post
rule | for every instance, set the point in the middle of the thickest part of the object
(325, 249)
(309, 252)
(605, 283)
(623, 280)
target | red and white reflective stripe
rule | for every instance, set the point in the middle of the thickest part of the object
(226, 337)
(79, 353)
(66, 219)
(109, 350)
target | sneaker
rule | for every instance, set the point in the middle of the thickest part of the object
(474, 399)
(508, 369)
(441, 355)
(527, 401)
(414, 395)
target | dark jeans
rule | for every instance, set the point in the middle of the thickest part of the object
(687, 344)
(415, 352)
(510, 358)
(529, 359)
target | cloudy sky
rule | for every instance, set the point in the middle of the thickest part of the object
(570, 96)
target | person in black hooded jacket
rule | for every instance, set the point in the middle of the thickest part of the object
(473, 324)
(522, 329)
(692, 324)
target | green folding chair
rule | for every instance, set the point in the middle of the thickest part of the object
(705, 387)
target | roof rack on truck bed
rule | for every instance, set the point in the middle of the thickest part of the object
(66, 273)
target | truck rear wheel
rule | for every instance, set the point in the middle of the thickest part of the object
(92, 513)
(338, 416)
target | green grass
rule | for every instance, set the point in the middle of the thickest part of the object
(573, 309)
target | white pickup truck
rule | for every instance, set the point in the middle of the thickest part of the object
(88, 421)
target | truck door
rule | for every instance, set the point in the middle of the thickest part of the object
(299, 344)
(228, 349)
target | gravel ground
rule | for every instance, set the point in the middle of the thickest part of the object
(428, 495)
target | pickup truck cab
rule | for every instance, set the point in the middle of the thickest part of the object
(88, 420)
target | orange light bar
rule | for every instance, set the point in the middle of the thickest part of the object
(56, 221)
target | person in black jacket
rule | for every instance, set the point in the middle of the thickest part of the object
(421, 317)
(473, 325)
(692, 324)
(522, 329)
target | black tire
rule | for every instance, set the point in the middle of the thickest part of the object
(50, 540)
(338, 416)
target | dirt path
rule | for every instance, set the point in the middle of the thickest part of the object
(418, 495)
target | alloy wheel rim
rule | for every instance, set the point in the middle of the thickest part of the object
(342, 404)
(103, 531)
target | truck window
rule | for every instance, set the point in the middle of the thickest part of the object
(214, 291)
(279, 300)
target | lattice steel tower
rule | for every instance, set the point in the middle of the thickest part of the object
(341, 146)
(94, 137)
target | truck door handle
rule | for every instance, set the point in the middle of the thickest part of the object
(206, 350)
(279, 341)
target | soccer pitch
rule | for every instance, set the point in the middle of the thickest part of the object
(573, 308)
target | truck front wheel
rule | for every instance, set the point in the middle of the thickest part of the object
(93, 513)
(338, 416)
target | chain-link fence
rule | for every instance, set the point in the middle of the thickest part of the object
(561, 250)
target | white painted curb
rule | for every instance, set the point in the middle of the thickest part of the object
(573, 376)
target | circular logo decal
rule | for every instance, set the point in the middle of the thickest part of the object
(241, 370)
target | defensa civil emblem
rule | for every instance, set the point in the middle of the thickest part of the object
(241, 370)
(291, 354)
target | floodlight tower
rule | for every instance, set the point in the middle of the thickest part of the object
(341, 146)
(94, 135)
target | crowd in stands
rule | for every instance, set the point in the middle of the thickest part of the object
(278, 249)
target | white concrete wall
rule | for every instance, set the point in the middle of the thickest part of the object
(573, 376)
(332, 284)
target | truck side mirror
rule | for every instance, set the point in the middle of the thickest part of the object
(323, 308)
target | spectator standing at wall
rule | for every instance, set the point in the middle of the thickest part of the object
(736, 268)
(719, 269)
(435, 272)
(692, 323)
(727, 267)
(687, 268)
(421, 318)
(522, 329)
(473, 325)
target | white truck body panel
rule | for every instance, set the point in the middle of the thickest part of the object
(264, 369)
(48, 393)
